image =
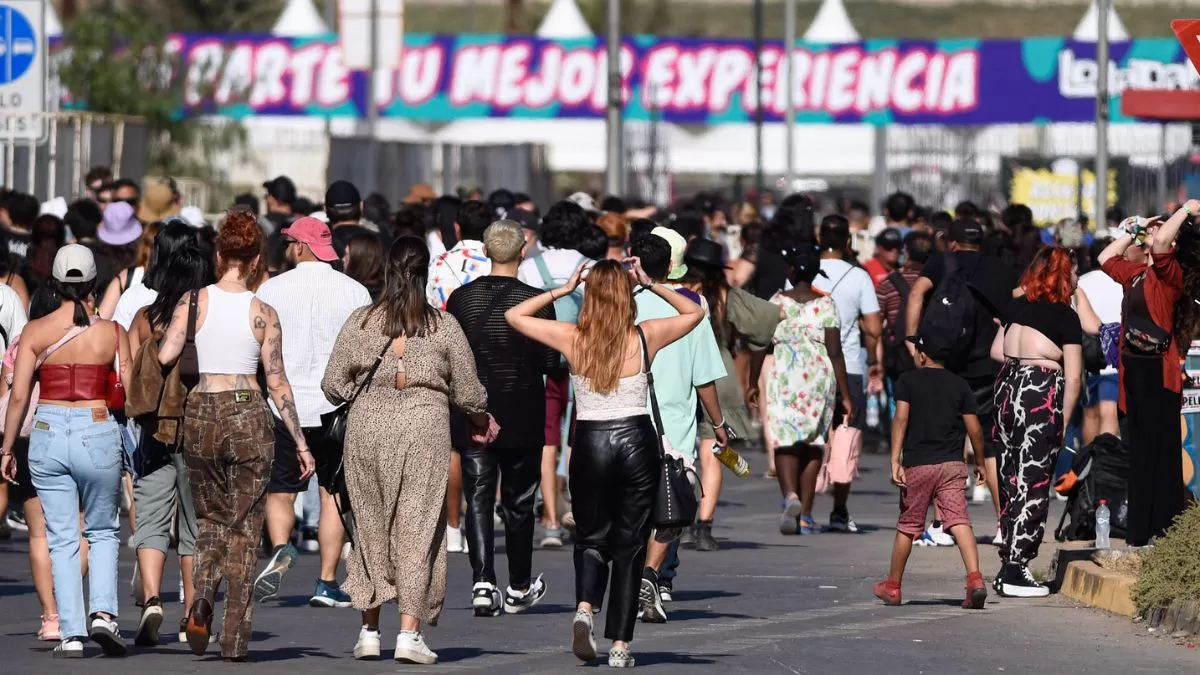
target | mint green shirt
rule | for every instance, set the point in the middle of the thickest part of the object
(692, 361)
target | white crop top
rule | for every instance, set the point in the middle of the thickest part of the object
(225, 344)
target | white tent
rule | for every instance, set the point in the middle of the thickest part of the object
(831, 25)
(52, 24)
(300, 19)
(1088, 29)
(564, 20)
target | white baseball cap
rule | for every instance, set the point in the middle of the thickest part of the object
(585, 201)
(74, 263)
(678, 249)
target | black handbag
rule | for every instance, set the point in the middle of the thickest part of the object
(334, 423)
(677, 501)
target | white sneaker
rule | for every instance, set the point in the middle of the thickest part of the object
(999, 540)
(939, 536)
(516, 602)
(346, 548)
(981, 494)
(71, 648)
(367, 647)
(583, 642)
(107, 634)
(411, 648)
(455, 541)
(485, 599)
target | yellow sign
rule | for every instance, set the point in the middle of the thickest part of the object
(1055, 196)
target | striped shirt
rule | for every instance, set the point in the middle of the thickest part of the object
(459, 266)
(889, 295)
(313, 302)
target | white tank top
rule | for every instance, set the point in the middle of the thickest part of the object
(225, 344)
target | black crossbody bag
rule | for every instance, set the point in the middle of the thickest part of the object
(676, 503)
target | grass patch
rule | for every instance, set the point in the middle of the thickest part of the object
(1171, 570)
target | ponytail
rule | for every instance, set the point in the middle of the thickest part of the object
(77, 293)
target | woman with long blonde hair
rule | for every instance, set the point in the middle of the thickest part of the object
(615, 461)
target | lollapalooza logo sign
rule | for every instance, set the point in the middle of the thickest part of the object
(688, 81)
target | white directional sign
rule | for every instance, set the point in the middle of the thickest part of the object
(23, 66)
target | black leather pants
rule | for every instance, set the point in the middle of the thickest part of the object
(614, 473)
(481, 471)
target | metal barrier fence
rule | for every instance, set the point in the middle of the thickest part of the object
(520, 168)
(71, 144)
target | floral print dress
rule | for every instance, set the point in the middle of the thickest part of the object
(801, 389)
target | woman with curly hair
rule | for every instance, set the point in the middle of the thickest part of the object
(1159, 267)
(1040, 346)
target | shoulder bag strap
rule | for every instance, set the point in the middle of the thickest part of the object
(658, 424)
(544, 272)
(75, 332)
(193, 310)
(370, 374)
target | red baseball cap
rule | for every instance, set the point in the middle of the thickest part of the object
(314, 234)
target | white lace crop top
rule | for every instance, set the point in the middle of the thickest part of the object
(627, 400)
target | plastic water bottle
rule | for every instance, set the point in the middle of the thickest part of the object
(1102, 524)
(732, 460)
(873, 412)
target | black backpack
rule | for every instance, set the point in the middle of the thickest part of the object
(1097, 472)
(951, 312)
(897, 359)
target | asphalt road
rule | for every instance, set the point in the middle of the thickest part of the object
(764, 603)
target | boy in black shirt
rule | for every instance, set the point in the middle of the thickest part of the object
(935, 412)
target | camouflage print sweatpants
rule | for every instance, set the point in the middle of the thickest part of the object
(229, 443)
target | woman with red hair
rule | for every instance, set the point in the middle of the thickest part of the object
(1040, 347)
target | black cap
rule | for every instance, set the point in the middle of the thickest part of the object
(704, 252)
(282, 189)
(966, 231)
(526, 219)
(889, 239)
(931, 345)
(342, 193)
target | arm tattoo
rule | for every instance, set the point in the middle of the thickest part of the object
(287, 408)
(259, 323)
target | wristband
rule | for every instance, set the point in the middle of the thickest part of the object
(1187, 210)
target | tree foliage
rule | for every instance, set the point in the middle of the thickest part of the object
(211, 16)
(118, 64)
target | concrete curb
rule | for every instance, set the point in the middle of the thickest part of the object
(1087, 582)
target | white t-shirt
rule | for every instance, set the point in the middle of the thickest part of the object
(560, 262)
(133, 299)
(12, 314)
(1105, 296)
(854, 295)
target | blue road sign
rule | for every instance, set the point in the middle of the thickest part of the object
(18, 45)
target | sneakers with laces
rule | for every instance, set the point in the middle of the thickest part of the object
(516, 601)
(267, 584)
(367, 647)
(889, 592)
(650, 599)
(411, 648)
(71, 648)
(842, 522)
(583, 642)
(1016, 581)
(924, 540)
(704, 536)
(976, 591)
(455, 541)
(49, 631)
(938, 535)
(107, 634)
(148, 625)
(329, 594)
(666, 589)
(485, 599)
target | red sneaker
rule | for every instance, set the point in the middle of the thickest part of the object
(888, 592)
(976, 591)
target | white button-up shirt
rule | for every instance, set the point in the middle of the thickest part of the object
(313, 301)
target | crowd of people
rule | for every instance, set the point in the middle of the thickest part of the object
(386, 387)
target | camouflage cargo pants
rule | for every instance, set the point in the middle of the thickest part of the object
(229, 444)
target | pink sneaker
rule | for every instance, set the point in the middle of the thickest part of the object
(49, 632)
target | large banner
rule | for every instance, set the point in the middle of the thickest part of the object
(689, 81)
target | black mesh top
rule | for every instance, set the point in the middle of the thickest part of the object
(511, 366)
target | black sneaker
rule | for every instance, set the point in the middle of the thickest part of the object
(842, 522)
(516, 602)
(650, 600)
(703, 536)
(152, 618)
(485, 599)
(1016, 581)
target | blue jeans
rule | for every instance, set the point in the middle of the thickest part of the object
(670, 568)
(75, 454)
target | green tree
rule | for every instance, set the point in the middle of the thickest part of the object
(211, 16)
(117, 65)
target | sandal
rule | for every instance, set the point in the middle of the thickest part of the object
(808, 525)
